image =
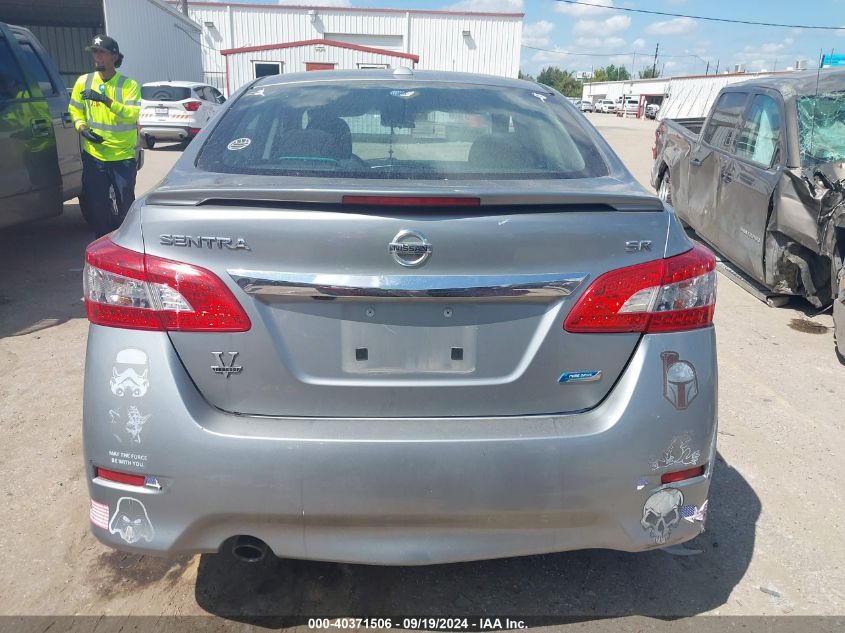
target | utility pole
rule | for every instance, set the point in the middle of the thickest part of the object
(717, 67)
(654, 63)
(184, 6)
(707, 70)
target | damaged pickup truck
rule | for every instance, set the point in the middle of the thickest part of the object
(762, 179)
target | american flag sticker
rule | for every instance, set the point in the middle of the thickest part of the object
(693, 514)
(99, 514)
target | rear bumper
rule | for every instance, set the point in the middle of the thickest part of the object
(163, 132)
(397, 491)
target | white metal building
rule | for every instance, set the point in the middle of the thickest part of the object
(245, 64)
(487, 43)
(679, 97)
(157, 41)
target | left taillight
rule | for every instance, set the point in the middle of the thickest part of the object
(128, 289)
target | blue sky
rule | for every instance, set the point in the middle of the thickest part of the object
(620, 37)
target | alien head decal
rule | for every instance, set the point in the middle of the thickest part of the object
(130, 520)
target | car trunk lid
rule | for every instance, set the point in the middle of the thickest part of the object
(341, 327)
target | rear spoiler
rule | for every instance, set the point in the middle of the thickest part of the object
(254, 197)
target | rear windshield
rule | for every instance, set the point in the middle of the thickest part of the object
(164, 93)
(414, 130)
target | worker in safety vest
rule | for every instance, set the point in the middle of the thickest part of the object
(105, 107)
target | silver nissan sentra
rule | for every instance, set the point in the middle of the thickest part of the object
(398, 317)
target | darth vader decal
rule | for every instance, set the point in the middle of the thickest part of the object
(680, 384)
(130, 520)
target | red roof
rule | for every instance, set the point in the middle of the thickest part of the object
(354, 47)
(353, 9)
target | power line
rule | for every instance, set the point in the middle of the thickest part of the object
(701, 17)
(617, 54)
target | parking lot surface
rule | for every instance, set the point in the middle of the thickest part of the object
(775, 529)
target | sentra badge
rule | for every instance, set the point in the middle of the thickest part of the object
(204, 241)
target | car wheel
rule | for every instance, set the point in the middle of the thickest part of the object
(664, 191)
(150, 142)
(85, 210)
(115, 204)
(837, 274)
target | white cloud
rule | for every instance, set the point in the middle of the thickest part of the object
(841, 31)
(592, 43)
(579, 10)
(675, 26)
(638, 43)
(545, 58)
(676, 3)
(537, 33)
(613, 42)
(768, 47)
(504, 6)
(614, 24)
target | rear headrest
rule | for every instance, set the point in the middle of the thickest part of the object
(306, 143)
(341, 145)
(503, 151)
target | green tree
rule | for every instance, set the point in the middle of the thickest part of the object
(561, 80)
(611, 73)
(649, 73)
(525, 76)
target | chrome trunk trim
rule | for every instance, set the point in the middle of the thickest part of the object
(540, 287)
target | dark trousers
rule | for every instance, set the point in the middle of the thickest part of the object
(98, 177)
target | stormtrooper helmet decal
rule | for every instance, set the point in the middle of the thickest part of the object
(130, 374)
(131, 521)
(661, 513)
(680, 383)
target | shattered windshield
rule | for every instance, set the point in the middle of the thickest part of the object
(821, 127)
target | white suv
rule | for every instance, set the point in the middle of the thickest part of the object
(606, 106)
(628, 106)
(176, 110)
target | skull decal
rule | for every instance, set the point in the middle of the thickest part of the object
(130, 520)
(661, 513)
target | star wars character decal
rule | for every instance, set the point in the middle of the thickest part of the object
(131, 521)
(662, 513)
(134, 423)
(678, 454)
(130, 374)
(680, 383)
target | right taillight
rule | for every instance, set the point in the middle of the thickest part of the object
(666, 295)
(128, 289)
(192, 106)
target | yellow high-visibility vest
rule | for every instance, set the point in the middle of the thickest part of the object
(116, 124)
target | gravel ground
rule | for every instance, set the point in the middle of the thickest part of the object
(773, 547)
